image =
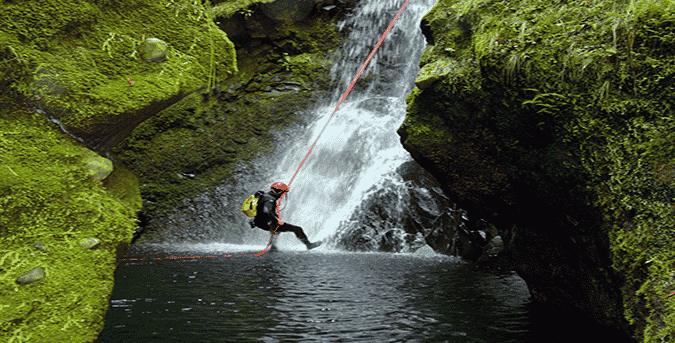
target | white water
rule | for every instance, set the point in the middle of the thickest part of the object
(360, 145)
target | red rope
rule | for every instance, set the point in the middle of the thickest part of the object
(363, 67)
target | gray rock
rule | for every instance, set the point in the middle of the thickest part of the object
(101, 165)
(36, 274)
(425, 251)
(40, 246)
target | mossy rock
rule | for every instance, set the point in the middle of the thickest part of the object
(35, 274)
(153, 50)
(101, 166)
(432, 72)
(78, 69)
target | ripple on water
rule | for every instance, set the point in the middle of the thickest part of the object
(316, 297)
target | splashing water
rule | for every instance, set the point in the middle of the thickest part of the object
(360, 145)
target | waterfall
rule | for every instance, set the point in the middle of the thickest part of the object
(359, 149)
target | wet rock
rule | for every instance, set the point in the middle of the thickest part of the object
(414, 242)
(391, 241)
(89, 242)
(40, 246)
(255, 30)
(403, 215)
(425, 251)
(284, 88)
(153, 50)
(288, 10)
(289, 46)
(494, 257)
(374, 104)
(495, 246)
(36, 274)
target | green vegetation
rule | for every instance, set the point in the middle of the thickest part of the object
(48, 195)
(569, 95)
(285, 62)
(77, 58)
(80, 57)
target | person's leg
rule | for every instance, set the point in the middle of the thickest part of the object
(298, 233)
(295, 229)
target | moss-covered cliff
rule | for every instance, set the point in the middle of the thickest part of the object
(553, 121)
(82, 62)
(78, 63)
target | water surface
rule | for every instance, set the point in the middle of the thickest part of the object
(317, 296)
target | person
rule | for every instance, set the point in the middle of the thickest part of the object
(267, 219)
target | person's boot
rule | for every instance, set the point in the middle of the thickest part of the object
(310, 245)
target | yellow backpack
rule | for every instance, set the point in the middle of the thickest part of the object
(250, 206)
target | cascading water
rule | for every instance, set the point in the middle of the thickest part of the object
(360, 147)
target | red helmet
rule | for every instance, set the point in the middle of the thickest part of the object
(279, 187)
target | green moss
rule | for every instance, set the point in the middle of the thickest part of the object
(82, 58)
(86, 51)
(571, 105)
(227, 8)
(48, 195)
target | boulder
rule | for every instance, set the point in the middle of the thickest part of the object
(425, 251)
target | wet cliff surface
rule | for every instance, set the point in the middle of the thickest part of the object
(549, 120)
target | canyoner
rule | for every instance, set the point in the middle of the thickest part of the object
(264, 208)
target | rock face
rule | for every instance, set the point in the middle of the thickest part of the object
(527, 127)
(288, 10)
(408, 211)
(398, 215)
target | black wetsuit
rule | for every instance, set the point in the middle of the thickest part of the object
(267, 219)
